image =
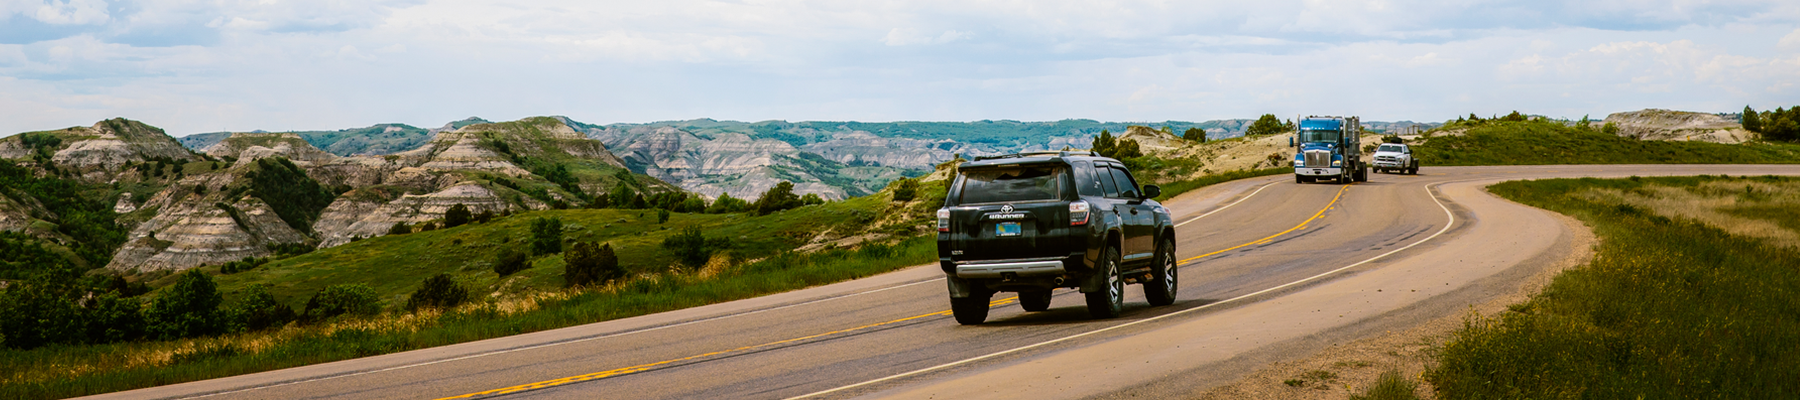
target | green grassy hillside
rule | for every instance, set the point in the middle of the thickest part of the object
(1538, 142)
(373, 140)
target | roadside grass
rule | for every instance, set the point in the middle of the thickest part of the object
(1547, 142)
(1390, 386)
(1671, 307)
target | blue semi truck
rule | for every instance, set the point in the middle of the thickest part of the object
(1328, 148)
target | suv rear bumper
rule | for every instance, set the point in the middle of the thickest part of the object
(1049, 267)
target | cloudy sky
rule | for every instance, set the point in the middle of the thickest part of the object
(198, 66)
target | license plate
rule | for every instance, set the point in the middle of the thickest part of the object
(1007, 229)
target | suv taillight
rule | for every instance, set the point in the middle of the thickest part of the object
(1078, 213)
(943, 220)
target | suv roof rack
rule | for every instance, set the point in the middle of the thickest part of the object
(1064, 153)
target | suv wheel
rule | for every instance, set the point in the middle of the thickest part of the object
(1035, 301)
(972, 310)
(1161, 290)
(1110, 302)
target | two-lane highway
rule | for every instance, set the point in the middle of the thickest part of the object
(1269, 268)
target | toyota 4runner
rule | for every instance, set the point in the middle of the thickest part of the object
(1034, 222)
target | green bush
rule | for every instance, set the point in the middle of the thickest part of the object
(510, 261)
(727, 204)
(348, 299)
(258, 310)
(399, 228)
(693, 248)
(189, 308)
(906, 190)
(546, 235)
(34, 314)
(456, 216)
(111, 319)
(438, 291)
(780, 197)
(587, 264)
(662, 216)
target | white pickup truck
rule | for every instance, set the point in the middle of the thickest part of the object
(1395, 157)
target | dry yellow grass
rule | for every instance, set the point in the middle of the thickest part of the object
(1711, 203)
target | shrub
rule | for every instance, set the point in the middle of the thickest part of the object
(438, 291)
(906, 190)
(587, 264)
(335, 300)
(258, 310)
(727, 204)
(484, 216)
(189, 308)
(694, 248)
(32, 314)
(662, 216)
(1195, 135)
(456, 216)
(399, 228)
(510, 261)
(112, 318)
(546, 235)
(780, 197)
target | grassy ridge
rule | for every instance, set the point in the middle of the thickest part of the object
(1494, 142)
(1669, 308)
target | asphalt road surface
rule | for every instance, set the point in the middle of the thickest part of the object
(1271, 270)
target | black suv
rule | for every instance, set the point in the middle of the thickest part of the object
(1033, 222)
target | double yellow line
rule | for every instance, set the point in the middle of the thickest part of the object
(996, 303)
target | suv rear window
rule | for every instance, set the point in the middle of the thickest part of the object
(1011, 184)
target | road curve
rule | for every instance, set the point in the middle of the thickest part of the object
(1272, 270)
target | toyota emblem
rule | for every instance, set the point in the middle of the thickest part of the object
(1006, 208)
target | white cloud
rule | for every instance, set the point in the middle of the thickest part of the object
(204, 66)
(1791, 41)
(75, 12)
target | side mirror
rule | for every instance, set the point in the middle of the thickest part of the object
(1152, 191)
(1290, 141)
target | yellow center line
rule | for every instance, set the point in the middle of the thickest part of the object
(995, 303)
(1321, 213)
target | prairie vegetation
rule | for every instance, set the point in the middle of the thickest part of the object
(1517, 140)
(1691, 294)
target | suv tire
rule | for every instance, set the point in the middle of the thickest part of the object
(1160, 290)
(972, 310)
(1035, 301)
(1110, 302)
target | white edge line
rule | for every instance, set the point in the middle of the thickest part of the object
(1258, 190)
(1434, 199)
(539, 346)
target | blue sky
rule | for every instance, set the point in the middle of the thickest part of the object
(200, 66)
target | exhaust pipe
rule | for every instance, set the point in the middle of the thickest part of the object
(1059, 281)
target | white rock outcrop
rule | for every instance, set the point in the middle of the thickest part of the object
(1658, 124)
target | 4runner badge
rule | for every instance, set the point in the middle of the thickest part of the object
(1006, 212)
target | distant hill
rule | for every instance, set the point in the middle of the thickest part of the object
(373, 140)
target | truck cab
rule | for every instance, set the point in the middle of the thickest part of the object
(1329, 147)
